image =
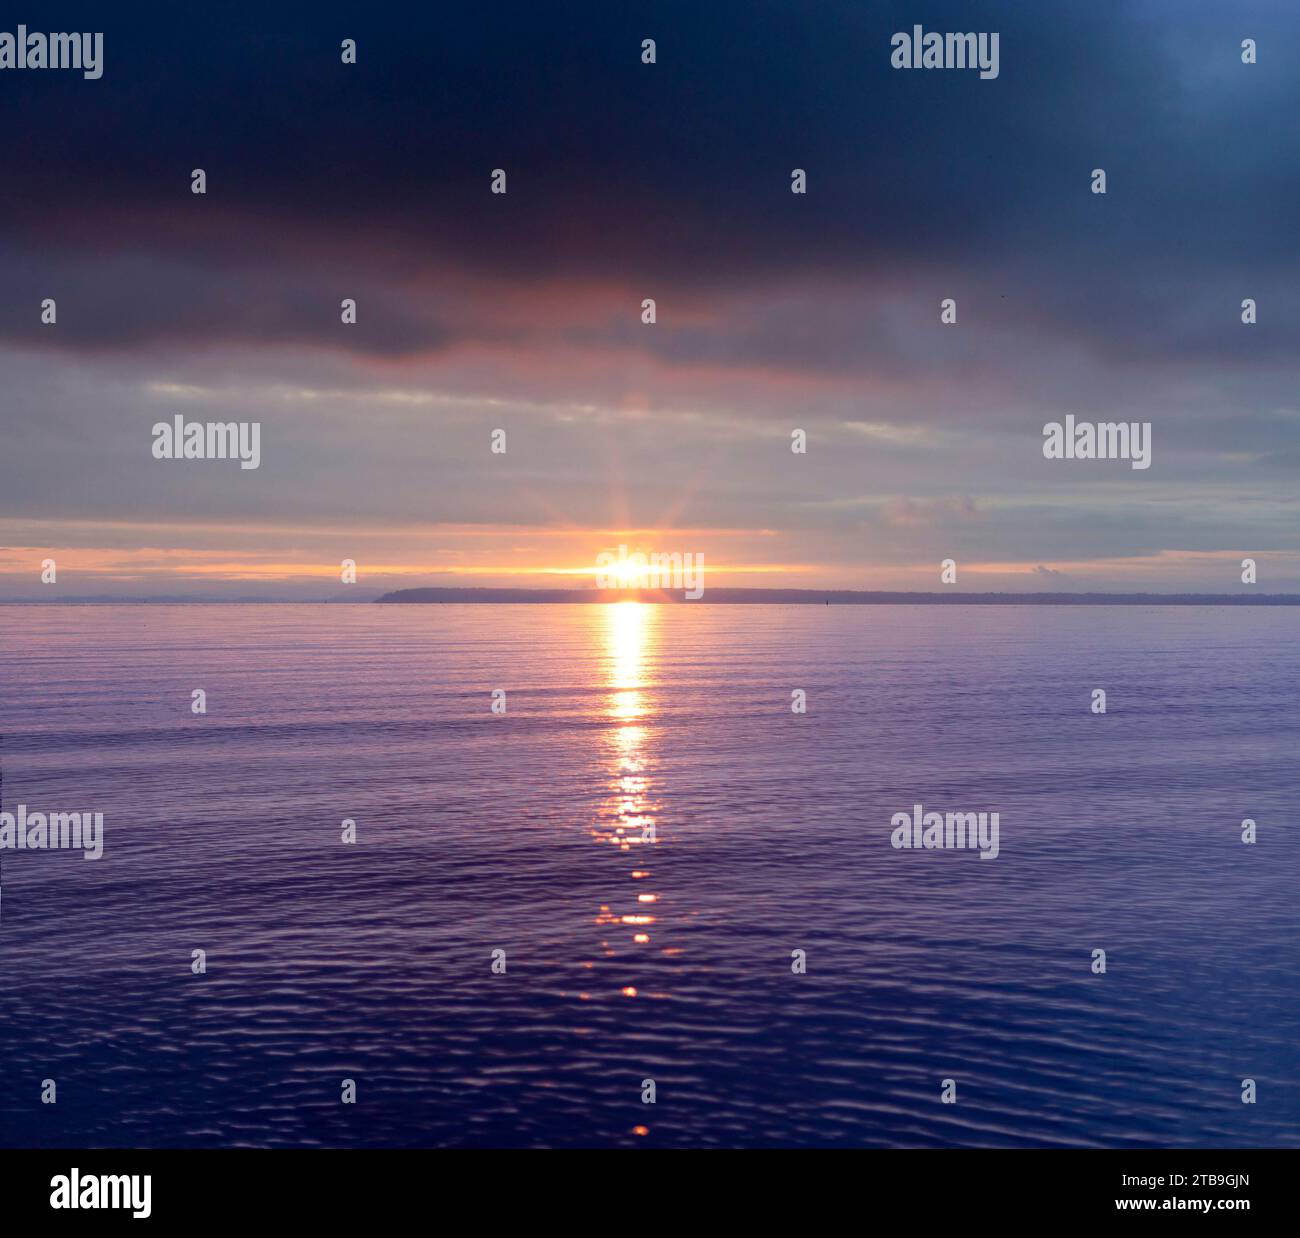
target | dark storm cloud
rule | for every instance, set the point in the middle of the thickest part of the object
(669, 180)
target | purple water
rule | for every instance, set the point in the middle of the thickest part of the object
(479, 832)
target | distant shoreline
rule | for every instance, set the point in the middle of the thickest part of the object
(837, 597)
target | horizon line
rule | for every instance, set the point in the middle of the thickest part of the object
(722, 595)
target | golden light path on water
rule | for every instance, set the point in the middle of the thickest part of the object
(627, 817)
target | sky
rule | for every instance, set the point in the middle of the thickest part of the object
(775, 311)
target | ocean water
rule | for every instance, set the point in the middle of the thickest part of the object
(668, 959)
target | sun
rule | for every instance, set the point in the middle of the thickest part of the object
(628, 574)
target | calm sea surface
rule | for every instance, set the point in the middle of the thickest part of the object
(630, 960)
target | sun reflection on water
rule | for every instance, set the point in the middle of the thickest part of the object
(626, 627)
(627, 817)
